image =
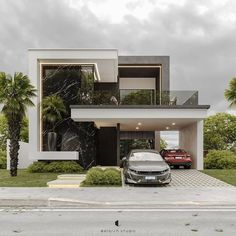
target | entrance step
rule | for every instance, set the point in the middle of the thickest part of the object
(71, 177)
(108, 167)
(67, 181)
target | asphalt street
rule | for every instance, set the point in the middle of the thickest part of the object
(66, 221)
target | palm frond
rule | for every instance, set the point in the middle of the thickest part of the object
(53, 108)
(230, 93)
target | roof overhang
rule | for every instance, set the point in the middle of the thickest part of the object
(105, 61)
(151, 118)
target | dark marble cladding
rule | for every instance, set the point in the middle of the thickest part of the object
(80, 137)
(65, 81)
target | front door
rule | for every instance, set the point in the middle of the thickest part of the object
(107, 146)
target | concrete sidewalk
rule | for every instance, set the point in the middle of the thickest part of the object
(143, 197)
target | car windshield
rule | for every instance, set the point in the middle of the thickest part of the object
(145, 156)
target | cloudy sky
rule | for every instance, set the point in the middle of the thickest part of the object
(199, 36)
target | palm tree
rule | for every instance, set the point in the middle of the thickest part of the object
(53, 109)
(230, 94)
(15, 95)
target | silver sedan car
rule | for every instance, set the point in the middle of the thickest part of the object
(145, 167)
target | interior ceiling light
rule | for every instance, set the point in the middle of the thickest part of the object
(173, 123)
(139, 123)
(137, 127)
(167, 127)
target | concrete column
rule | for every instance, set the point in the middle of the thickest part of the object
(118, 143)
(191, 139)
(157, 140)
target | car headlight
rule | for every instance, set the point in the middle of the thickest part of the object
(166, 170)
(131, 170)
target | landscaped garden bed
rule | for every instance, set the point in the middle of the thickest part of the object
(56, 167)
(39, 173)
(221, 164)
(102, 177)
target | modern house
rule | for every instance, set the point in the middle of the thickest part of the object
(109, 98)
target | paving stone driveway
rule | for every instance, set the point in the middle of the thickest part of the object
(194, 178)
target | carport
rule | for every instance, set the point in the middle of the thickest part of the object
(112, 120)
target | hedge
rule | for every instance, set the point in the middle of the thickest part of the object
(3, 160)
(220, 159)
(55, 167)
(97, 176)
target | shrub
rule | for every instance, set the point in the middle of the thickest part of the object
(97, 176)
(63, 167)
(112, 176)
(37, 167)
(55, 167)
(217, 159)
(3, 160)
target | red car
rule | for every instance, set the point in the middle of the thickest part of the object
(177, 158)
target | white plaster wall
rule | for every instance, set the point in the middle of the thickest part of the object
(36, 56)
(191, 139)
(23, 158)
(81, 114)
(107, 68)
(137, 83)
(57, 156)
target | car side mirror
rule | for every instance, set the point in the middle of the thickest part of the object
(123, 160)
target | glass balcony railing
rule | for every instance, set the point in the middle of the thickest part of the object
(142, 97)
(137, 97)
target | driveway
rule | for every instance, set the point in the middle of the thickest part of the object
(194, 179)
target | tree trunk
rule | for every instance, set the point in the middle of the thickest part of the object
(14, 127)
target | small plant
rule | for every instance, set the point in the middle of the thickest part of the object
(55, 167)
(220, 159)
(96, 176)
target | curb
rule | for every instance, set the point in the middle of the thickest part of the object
(60, 202)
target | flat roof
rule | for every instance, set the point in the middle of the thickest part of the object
(138, 107)
(72, 49)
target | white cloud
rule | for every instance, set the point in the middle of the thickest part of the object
(199, 36)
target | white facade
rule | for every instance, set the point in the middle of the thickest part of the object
(191, 139)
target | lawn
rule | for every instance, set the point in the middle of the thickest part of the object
(228, 176)
(26, 179)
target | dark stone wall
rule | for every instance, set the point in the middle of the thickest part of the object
(65, 81)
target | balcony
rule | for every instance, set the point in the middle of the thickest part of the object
(134, 97)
